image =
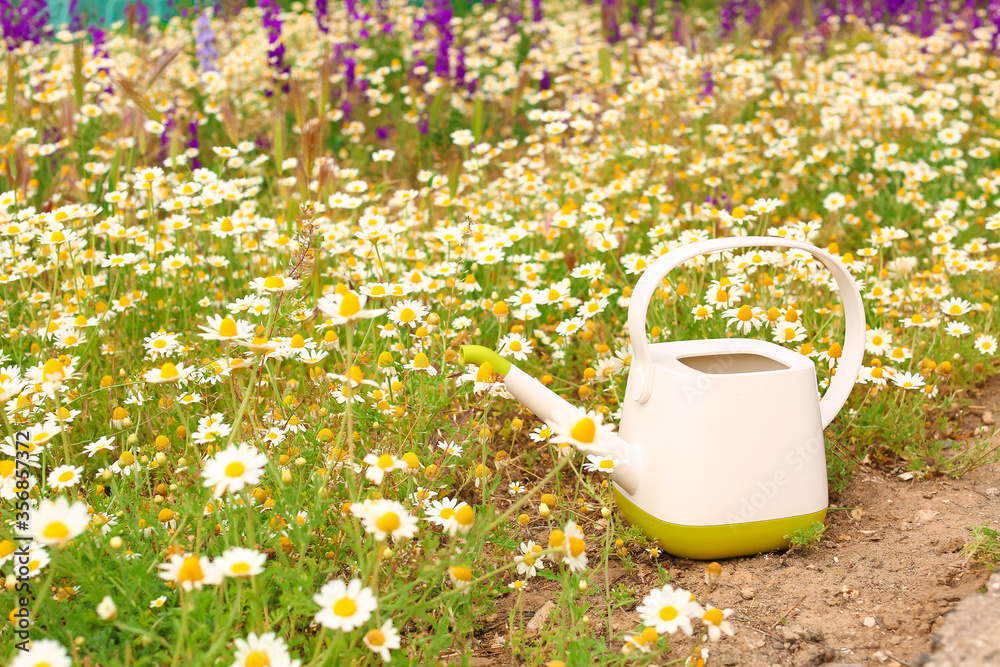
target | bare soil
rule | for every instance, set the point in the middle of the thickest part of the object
(874, 592)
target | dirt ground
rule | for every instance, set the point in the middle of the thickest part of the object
(874, 591)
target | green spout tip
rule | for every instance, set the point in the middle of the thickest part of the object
(477, 354)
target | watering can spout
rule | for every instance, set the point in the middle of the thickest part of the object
(549, 406)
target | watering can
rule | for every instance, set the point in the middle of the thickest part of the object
(720, 448)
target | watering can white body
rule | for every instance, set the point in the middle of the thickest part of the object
(721, 441)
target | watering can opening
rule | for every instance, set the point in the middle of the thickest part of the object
(732, 363)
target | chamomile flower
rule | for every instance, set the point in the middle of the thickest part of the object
(452, 515)
(43, 653)
(381, 464)
(168, 372)
(669, 609)
(878, 341)
(233, 468)
(408, 313)
(241, 562)
(420, 362)
(385, 518)
(190, 572)
(580, 428)
(63, 477)
(275, 284)
(226, 329)
(517, 346)
(955, 307)
(56, 522)
(957, 329)
(383, 639)
(986, 344)
(344, 606)
(906, 380)
(574, 548)
(530, 560)
(745, 319)
(346, 307)
(604, 464)
(258, 651)
(716, 623)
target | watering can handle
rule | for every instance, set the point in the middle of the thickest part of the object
(854, 344)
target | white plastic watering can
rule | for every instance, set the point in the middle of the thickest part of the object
(721, 441)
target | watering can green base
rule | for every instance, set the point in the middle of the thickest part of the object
(715, 542)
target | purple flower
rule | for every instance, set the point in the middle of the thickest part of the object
(321, 15)
(205, 40)
(28, 22)
(75, 17)
(708, 90)
(194, 143)
(276, 54)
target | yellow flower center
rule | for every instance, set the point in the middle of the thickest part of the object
(257, 659)
(713, 616)
(407, 315)
(168, 371)
(576, 546)
(385, 461)
(349, 305)
(606, 464)
(190, 570)
(515, 345)
(876, 340)
(52, 367)
(388, 522)
(274, 282)
(345, 607)
(240, 568)
(835, 351)
(917, 319)
(66, 475)
(58, 237)
(878, 372)
(584, 430)
(460, 573)
(465, 515)
(378, 290)
(375, 637)
(421, 361)
(235, 469)
(227, 327)
(956, 309)
(668, 613)
(447, 513)
(56, 530)
(745, 314)
(485, 372)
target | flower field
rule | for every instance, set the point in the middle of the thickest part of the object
(240, 250)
